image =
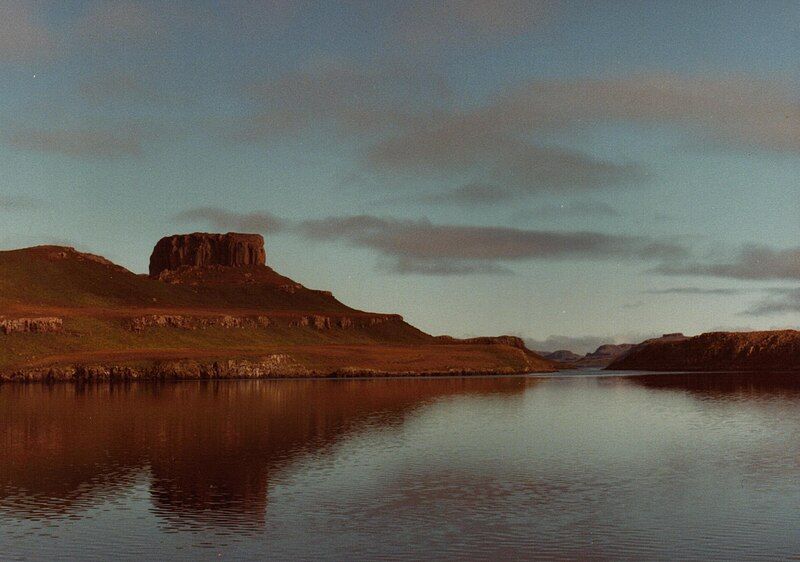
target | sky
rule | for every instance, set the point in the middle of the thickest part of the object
(575, 173)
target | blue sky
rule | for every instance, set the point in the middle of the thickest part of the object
(602, 171)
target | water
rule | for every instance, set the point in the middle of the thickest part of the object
(650, 467)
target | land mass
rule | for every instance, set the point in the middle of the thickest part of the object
(715, 351)
(210, 307)
(601, 357)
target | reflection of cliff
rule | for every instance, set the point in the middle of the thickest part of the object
(210, 446)
(721, 385)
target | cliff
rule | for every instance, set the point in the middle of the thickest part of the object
(716, 351)
(202, 250)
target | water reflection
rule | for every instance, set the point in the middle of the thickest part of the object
(725, 385)
(690, 466)
(209, 447)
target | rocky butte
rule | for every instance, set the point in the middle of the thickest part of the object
(201, 249)
(210, 307)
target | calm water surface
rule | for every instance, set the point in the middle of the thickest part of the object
(650, 467)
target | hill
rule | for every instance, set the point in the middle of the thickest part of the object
(716, 351)
(601, 357)
(210, 307)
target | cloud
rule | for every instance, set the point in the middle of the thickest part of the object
(473, 193)
(86, 143)
(579, 209)
(121, 21)
(421, 246)
(750, 263)
(19, 203)
(409, 266)
(781, 301)
(22, 36)
(226, 220)
(576, 344)
(493, 158)
(697, 291)
(741, 110)
(423, 23)
(118, 87)
(355, 98)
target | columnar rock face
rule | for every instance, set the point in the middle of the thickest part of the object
(203, 250)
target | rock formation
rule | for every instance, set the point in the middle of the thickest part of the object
(31, 325)
(605, 355)
(204, 250)
(320, 322)
(601, 357)
(716, 351)
(561, 355)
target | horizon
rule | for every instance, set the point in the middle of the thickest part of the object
(573, 173)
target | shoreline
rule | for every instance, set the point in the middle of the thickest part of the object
(227, 370)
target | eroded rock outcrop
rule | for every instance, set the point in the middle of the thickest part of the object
(31, 325)
(197, 322)
(203, 250)
(320, 322)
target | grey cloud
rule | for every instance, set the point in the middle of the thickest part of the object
(87, 143)
(751, 263)
(19, 203)
(408, 127)
(446, 267)
(739, 110)
(780, 301)
(423, 246)
(124, 21)
(227, 220)
(118, 87)
(355, 98)
(494, 158)
(581, 209)
(22, 36)
(423, 23)
(576, 344)
(473, 193)
(697, 291)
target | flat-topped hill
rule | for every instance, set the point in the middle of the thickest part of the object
(215, 310)
(202, 249)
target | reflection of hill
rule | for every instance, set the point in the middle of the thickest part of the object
(210, 446)
(751, 385)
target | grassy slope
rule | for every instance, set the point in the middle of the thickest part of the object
(96, 299)
(38, 276)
